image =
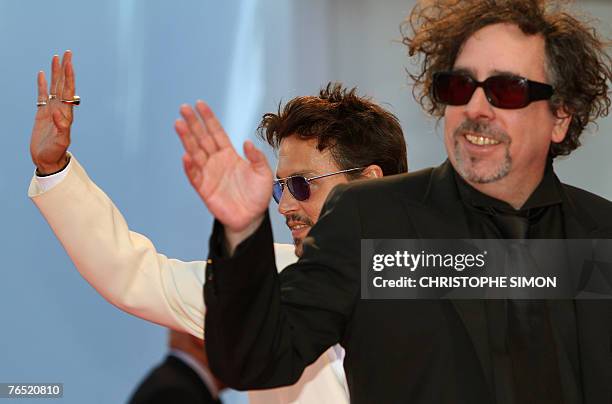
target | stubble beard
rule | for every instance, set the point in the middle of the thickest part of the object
(298, 242)
(299, 249)
(467, 166)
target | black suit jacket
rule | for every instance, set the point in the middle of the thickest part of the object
(172, 382)
(262, 329)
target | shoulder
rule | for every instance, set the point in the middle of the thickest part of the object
(584, 197)
(410, 185)
(597, 207)
(170, 379)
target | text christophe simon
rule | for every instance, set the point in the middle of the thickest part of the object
(406, 261)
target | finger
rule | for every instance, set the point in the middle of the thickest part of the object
(188, 140)
(55, 74)
(213, 125)
(198, 130)
(67, 91)
(191, 171)
(191, 146)
(255, 156)
(62, 76)
(68, 88)
(42, 86)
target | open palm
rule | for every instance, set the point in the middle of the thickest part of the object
(235, 190)
(51, 132)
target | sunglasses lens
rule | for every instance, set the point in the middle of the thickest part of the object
(299, 188)
(453, 89)
(277, 191)
(507, 92)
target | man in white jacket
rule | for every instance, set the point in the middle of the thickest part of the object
(321, 141)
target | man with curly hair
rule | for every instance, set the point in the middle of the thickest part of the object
(516, 83)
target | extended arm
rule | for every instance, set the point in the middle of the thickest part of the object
(122, 265)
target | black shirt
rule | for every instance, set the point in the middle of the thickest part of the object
(544, 212)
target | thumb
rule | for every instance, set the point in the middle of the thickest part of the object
(255, 156)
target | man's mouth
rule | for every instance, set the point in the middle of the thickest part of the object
(297, 226)
(481, 140)
(298, 230)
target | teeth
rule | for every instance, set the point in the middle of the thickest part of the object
(481, 140)
(298, 227)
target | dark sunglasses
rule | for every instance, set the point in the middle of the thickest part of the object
(299, 186)
(508, 92)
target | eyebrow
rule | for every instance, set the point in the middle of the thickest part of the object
(472, 73)
(464, 70)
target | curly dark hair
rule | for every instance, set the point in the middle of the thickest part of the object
(577, 63)
(357, 131)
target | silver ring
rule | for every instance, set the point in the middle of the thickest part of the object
(41, 103)
(52, 96)
(76, 100)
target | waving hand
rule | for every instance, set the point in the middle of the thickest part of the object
(51, 133)
(235, 190)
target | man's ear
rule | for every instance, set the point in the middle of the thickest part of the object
(562, 121)
(372, 171)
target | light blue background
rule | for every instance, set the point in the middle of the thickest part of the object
(136, 61)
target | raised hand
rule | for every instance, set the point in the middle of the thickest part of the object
(51, 133)
(235, 190)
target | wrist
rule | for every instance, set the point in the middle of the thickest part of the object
(45, 170)
(233, 238)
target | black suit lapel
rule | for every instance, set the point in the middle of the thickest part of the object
(440, 214)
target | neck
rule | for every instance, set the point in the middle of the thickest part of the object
(511, 189)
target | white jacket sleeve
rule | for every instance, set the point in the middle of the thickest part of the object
(122, 265)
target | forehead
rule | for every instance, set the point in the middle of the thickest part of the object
(503, 48)
(299, 156)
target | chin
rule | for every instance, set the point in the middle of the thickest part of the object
(484, 176)
(483, 172)
(298, 247)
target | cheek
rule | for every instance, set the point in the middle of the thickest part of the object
(531, 135)
(452, 119)
(312, 211)
(314, 205)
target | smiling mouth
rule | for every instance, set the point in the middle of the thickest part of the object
(297, 226)
(481, 140)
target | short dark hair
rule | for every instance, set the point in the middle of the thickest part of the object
(357, 131)
(577, 64)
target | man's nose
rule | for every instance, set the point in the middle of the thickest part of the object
(287, 203)
(479, 107)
